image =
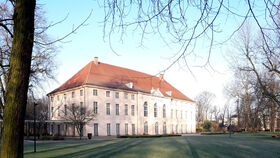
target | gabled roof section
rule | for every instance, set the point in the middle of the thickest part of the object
(106, 75)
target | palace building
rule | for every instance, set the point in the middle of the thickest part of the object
(126, 102)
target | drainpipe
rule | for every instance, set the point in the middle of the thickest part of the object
(137, 112)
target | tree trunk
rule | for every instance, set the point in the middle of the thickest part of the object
(18, 79)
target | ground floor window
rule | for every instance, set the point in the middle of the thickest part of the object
(66, 129)
(117, 129)
(146, 127)
(156, 128)
(176, 129)
(133, 129)
(108, 129)
(95, 129)
(52, 130)
(126, 129)
(164, 128)
(73, 132)
(58, 130)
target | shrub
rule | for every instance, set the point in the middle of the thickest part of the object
(199, 130)
(207, 125)
(89, 135)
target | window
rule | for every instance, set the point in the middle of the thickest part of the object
(107, 93)
(94, 92)
(57, 97)
(164, 111)
(52, 99)
(82, 108)
(66, 129)
(133, 129)
(164, 128)
(117, 109)
(65, 110)
(146, 127)
(95, 107)
(58, 111)
(117, 129)
(132, 96)
(181, 128)
(108, 129)
(73, 132)
(126, 109)
(81, 92)
(126, 129)
(155, 110)
(177, 129)
(64, 96)
(172, 128)
(125, 95)
(72, 108)
(117, 94)
(145, 109)
(52, 111)
(181, 114)
(132, 110)
(108, 108)
(176, 114)
(58, 130)
(52, 129)
(95, 129)
(171, 113)
(156, 128)
(73, 94)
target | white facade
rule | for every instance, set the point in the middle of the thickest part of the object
(179, 114)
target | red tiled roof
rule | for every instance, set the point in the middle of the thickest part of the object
(110, 76)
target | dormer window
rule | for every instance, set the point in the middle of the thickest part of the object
(169, 93)
(129, 84)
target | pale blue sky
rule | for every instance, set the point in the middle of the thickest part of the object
(153, 57)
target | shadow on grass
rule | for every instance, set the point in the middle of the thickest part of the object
(106, 150)
(50, 147)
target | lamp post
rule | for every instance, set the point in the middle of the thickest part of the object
(34, 126)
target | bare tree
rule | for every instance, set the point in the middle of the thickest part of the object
(79, 116)
(42, 113)
(203, 105)
(188, 21)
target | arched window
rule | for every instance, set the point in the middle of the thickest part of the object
(156, 128)
(155, 110)
(145, 109)
(146, 127)
(164, 111)
(164, 128)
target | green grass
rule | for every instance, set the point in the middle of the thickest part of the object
(175, 147)
(256, 133)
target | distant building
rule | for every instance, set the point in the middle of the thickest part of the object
(126, 102)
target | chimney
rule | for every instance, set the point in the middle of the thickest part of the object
(160, 77)
(95, 60)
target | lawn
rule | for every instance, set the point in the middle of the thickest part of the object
(173, 147)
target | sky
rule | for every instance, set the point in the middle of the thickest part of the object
(151, 57)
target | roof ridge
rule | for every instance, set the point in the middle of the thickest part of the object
(86, 81)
